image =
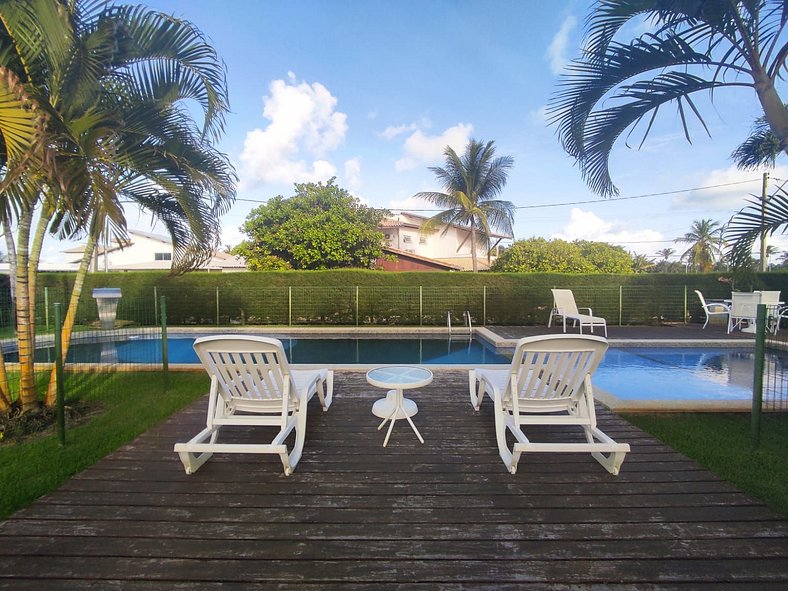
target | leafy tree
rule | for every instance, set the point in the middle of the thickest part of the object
(705, 240)
(537, 255)
(691, 46)
(607, 258)
(113, 81)
(665, 265)
(470, 184)
(322, 226)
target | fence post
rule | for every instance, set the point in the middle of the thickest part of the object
(217, 305)
(686, 305)
(421, 305)
(165, 362)
(757, 378)
(290, 306)
(484, 305)
(155, 305)
(61, 417)
(46, 307)
(357, 305)
(620, 303)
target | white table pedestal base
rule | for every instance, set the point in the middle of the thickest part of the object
(394, 406)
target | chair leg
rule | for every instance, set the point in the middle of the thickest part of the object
(191, 461)
(326, 391)
(476, 390)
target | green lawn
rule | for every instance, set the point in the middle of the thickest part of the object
(131, 403)
(722, 443)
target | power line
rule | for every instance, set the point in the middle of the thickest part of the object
(566, 203)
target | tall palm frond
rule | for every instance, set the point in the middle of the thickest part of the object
(746, 226)
(693, 46)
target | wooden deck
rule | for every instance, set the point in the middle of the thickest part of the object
(355, 515)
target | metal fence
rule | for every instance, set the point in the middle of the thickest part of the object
(141, 319)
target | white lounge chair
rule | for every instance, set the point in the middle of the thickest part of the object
(714, 309)
(252, 384)
(744, 309)
(774, 309)
(549, 374)
(564, 305)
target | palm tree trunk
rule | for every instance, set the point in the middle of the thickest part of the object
(474, 259)
(5, 388)
(773, 107)
(71, 314)
(34, 257)
(25, 323)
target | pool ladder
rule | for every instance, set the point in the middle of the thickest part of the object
(467, 330)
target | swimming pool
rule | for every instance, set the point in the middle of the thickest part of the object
(681, 373)
(636, 374)
(322, 351)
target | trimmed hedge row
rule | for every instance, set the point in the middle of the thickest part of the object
(351, 297)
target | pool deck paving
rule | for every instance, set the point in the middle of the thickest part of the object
(355, 515)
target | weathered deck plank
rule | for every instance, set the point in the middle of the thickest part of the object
(355, 515)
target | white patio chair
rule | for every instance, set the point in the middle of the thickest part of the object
(714, 309)
(773, 309)
(252, 385)
(548, 383)
(564, 305)
(744, 308)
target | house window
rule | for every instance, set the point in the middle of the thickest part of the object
(422, 240)
(407, 239)
(163, 256)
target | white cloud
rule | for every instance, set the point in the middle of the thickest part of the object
(423, 149)
(353, 173)
(557, 50)
(586, 225)
(731, 194)
(538, 116)
(393, 131)
(304, 124)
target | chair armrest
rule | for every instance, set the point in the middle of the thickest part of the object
(590, 312)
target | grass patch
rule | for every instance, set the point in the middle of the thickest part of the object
(722, 443)
(131, 404)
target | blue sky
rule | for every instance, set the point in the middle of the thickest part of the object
(372, 91)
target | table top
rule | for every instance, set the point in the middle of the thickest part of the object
(399, 376)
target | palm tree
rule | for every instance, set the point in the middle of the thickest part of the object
(113, 80)
(691, 46)
(705, 240)
(641, 263)
(470, 184)
(665, 253)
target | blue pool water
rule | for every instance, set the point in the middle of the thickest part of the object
(317, 351)
(682, 373)
(630, 373)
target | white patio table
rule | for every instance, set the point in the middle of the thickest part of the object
(396, 378)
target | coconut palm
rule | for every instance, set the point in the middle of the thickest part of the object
(470, 184)
(692, 46)
(641, 263)
(113, 80)
(705, 240)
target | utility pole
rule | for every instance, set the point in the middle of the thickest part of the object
(764, 188)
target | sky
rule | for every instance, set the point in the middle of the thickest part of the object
(372, 92)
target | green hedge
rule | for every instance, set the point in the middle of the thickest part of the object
(350, 297)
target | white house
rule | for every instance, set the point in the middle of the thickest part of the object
(144, 251)
(403, 232)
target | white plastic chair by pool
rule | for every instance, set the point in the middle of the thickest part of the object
(564, 305)
(252, 385)
(714, 309)
(548, 375)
